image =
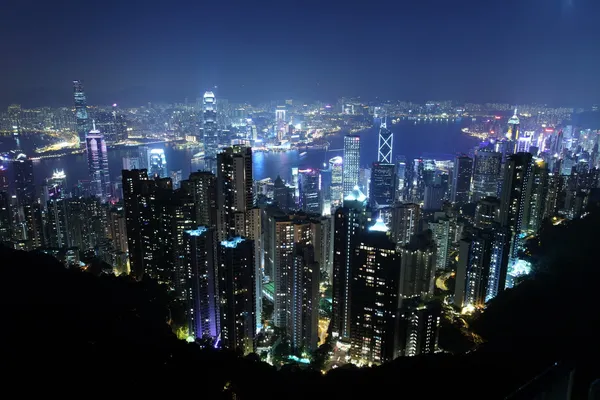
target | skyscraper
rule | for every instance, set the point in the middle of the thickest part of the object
(418, 262)
(209, 124)
(349, 221)
(202, 186)
(461, 182)
(234, 191)
(97, 155)
(336, 189)
(514, 127)
(374, 297)
(386, 144)
(419, 328)
(81, 114)
(23, 179)
(303, 299)
(486, 173)
(157, 164)
(383, 184)
(406, 219)
(202, 284)
(311, 199)
(517, 173)
(487, 212)
(443, 229)
(237, 294)
(351, 167)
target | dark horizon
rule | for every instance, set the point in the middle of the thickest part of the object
(510, 51)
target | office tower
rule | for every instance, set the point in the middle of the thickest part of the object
(202, 187)
(482, 267)
(514, 127)
(423, 175)
(537, 189)
(406, 219)
(303, 299)
(57, 223)
(81, 114)
(524, 143)
(176, 177)
(283, 232)
(201, 292)
(383, 185)
(418, 262)
(55, 187)
(283, 195)
(97, 155)
(419, 327)
(237, 294)
(401, 178)
(364, 180)
(138, 192)
(349, 221)
(351, 166)
(254, 232)
(461, 182)
(443, 230)
(486, 173)
(386, 144)
(234, 191)
(517, 173)
(280, 122)
(487, 212)
(23, 179)
(434, 197)
(209, 124)
(374, 297)
(336, 189)
(157, 164)
(311, 200)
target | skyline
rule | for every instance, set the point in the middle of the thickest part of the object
(514, 52)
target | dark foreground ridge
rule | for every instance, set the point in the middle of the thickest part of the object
(70, 332)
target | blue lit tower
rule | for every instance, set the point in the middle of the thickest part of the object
(97, 155)
(311, 199)
(351, 167)
(81, 114)
(386, 143)
(202, 284)
(336, 189)
(461, 183)
(157, 163)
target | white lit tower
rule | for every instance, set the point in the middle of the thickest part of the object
(386, 143)
(280, 122)
(97, 155)
(209, 124)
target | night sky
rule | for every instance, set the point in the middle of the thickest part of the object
(132, 51)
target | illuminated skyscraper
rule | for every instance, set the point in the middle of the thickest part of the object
(237, 294)
(349, 221)
(461, 183)
(486, 174)
(234, 191)
(280, 122)
(351, 167)
(513, 201)
(386, 144)
(383, 184)
(97, 155)
(81, 114)
(418, 263)
(23, 179)
(336, 189)
(209, 124)
(157, 164)
(202, 284)
(514, 126)
(311, 199)
(374, 297)
(405, 222)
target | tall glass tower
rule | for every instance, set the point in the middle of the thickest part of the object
(210, 131)
(351, 167)
(81, 114)
(98, 164)
(386, 144)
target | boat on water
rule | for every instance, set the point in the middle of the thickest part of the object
(303, 154)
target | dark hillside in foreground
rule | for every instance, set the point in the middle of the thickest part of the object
(70, 332)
